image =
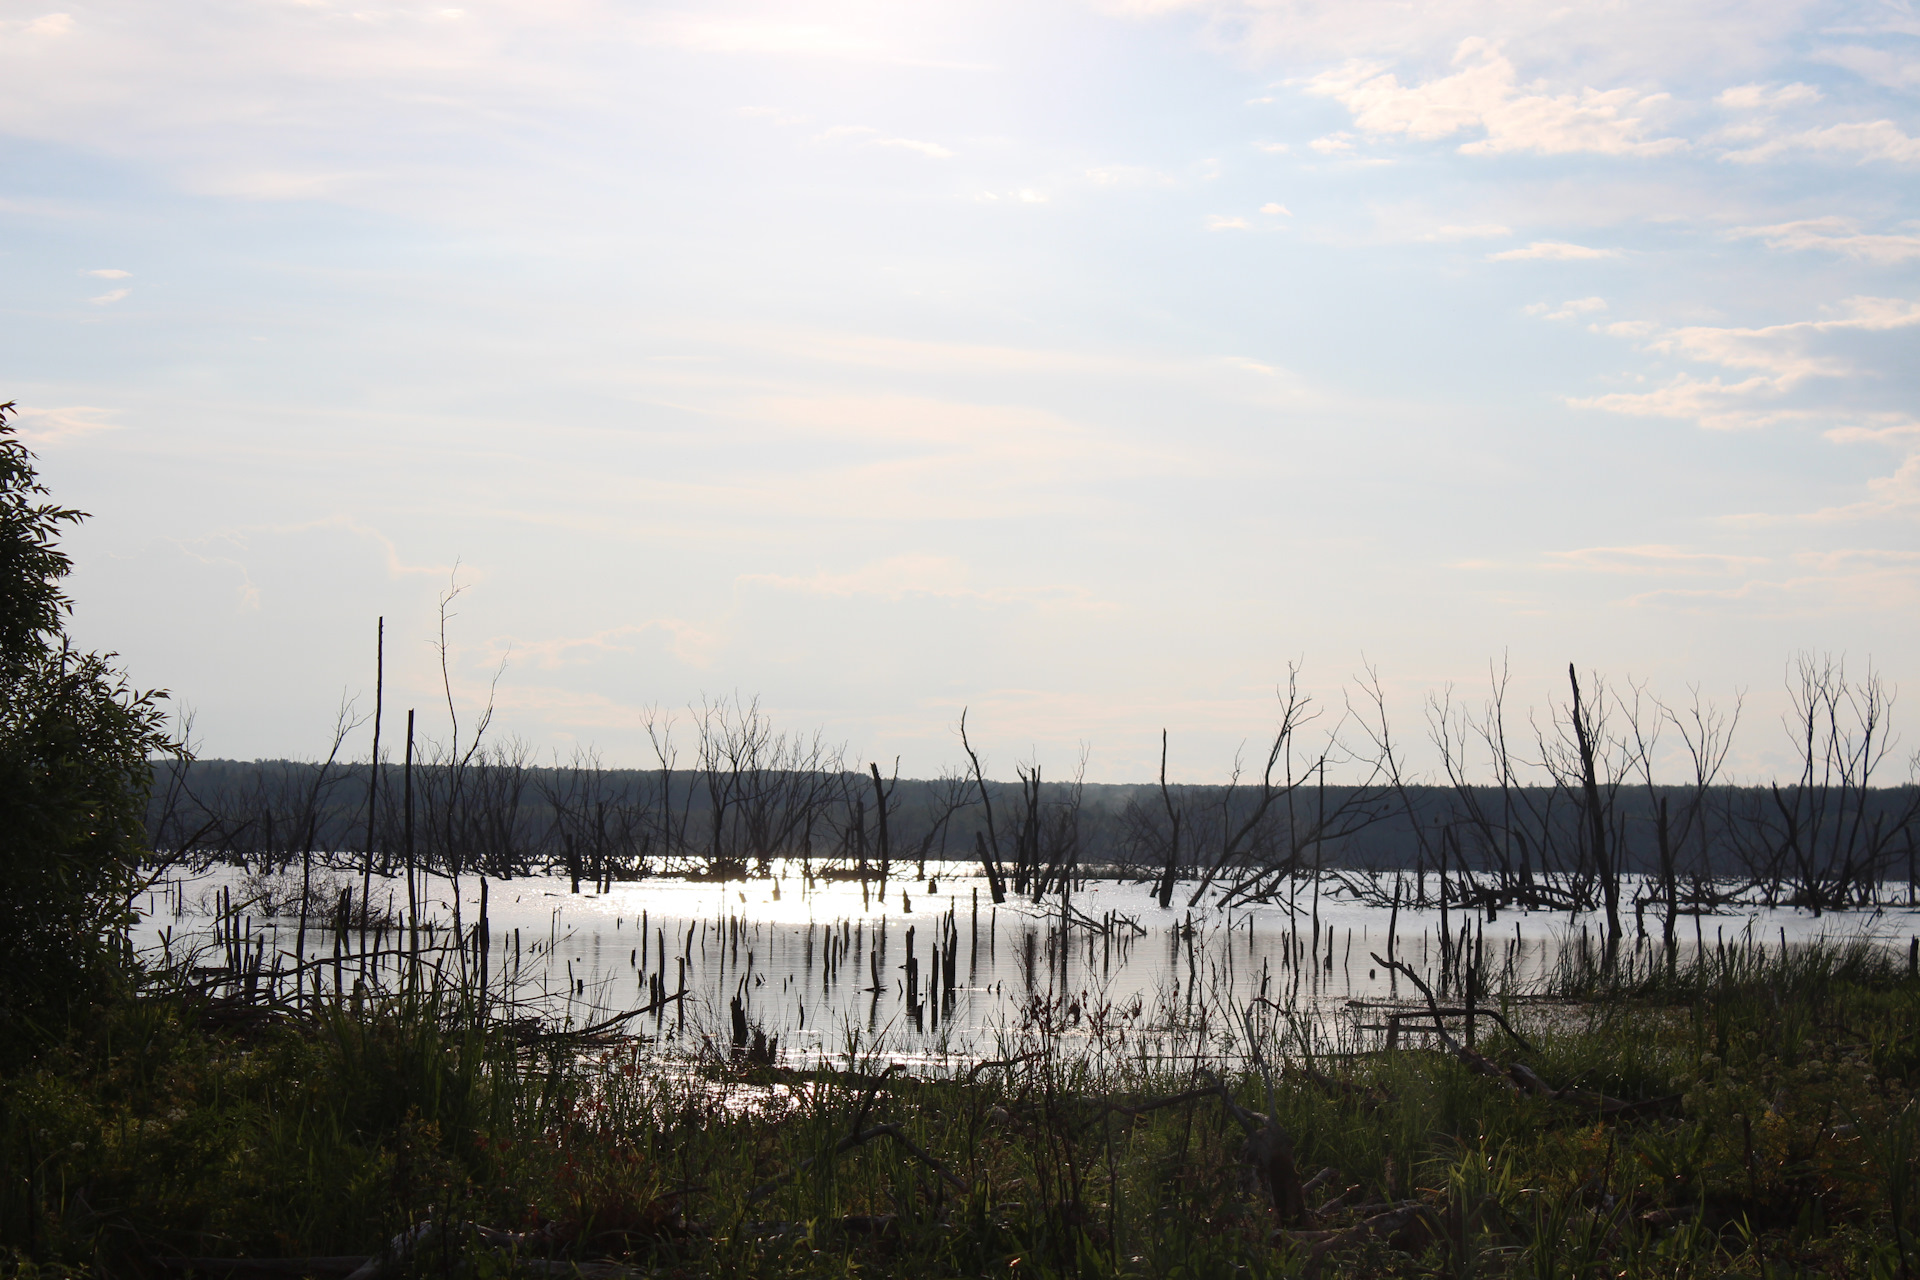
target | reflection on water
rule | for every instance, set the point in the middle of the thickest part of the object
(927, 970)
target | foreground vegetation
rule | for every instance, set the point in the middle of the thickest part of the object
(1748, 1114)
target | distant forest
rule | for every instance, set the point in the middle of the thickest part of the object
(627, 823)
(1564, 822)
(1563, 843)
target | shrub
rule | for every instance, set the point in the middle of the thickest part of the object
(75, 742)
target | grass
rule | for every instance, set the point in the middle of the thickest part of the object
(1777, 1137)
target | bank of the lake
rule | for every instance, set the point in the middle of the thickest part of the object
(1746, 1112)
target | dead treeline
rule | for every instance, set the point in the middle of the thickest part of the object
(1613, 802)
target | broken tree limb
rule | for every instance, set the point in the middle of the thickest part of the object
(1519, 1076)
(1394, 1225)
(1472, 1060)
(859, 1139)
(978, 1067)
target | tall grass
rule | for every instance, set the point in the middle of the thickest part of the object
(1584, 968)
(1768, 1124)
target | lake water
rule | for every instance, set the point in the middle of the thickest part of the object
(801, 956)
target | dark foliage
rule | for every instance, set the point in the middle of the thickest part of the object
(74, 745)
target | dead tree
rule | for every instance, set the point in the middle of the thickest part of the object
(988, 845)
(1247, 833)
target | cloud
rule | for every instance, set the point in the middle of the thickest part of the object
(1276, 208)
(1333, 144)
(112, 296)
(1760, 96)
(692, 644)
(45, 26)
(1552, 251)
(1836, 235)
(1881, 428)
(778, 115)
(1476, 231)
(869, 136)
(1624, 38)
(1485, 95)
(1854, 580)
(1569, 310)
(780, 39)
(893, 578)
(1784, 356)
(1221, 222)
(1273, 148)
(108, 273)
(1862, 140)
(1128, 175)
(1892, 495)
(1708, 402)
(1650, 559)
(902, 576)
(57, 426)
(1882, 66)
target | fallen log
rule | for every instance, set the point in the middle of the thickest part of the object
(860, 1139)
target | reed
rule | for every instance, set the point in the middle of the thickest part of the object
(1746, 1111)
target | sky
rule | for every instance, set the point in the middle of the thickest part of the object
(1082, 365)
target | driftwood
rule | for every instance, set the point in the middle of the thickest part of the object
(333, 1266)
(859, 1139)
(1518, 1076)
(974, 1071)
(521, 1245)
(600, 1028)
(1395, 1223)
(1268, 1148)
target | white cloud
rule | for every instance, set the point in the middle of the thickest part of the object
(1333, 144)
(1276, 208)
(1221, 222)
(1485, 94)
(1552, 251)
(692, 644)
(1572, 309)
(1273, 148)
(108, 273)
(1708, 402)
(56, 426)
(871, 137)
(1882, 428)
(893, 578)
(1894, 495)
(1476, 231)
(1837, 235)
(1651, 559)
(1599, 42)
(1862, 140)
(1128, 175)
(1760, 96)
(1850, 581)
(902, 576)
(777, 115)
(52, 24)
(1783, 357)
(1882, 66)
(111, 296)
(792, 39)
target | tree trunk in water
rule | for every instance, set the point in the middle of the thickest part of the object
(1596, 820)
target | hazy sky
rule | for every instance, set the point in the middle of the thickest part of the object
(1081, 363)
